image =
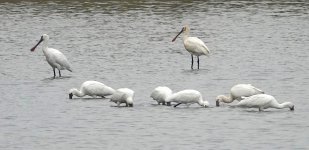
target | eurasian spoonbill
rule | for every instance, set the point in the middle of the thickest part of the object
(160, 95)
(54, 57)
(187, 97)
(237, 92)
(92, 88)
(193, 45)
(123, 95)
(263, 101)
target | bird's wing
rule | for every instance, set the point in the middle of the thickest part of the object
(255, 101)
(61, 59)
(196, 45)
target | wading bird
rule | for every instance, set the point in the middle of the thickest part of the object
(123, 95)
(160, 95)
(54, 57)
(263, 101)
(187, 97)
(237, 92)
(193, 45)
(93, 89)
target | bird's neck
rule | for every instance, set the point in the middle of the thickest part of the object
(78, 93)
(227, 99)
(283, 105)
(45, 45)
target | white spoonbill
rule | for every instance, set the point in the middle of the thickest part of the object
(160, 94)
(187, 97)
(263, 101)
(193, 45)
(123, 95)
(54, 57)
(237, 92)
(93, 89)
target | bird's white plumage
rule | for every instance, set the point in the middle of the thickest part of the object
(263, 101)
(195, 46)
(188, 97)
(237, 92)
(92, 88)
(56, 59)
(123, 95)
(160, 94)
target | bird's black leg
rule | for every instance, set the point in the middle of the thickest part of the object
(198, 62)
(59, 73)
(191, 61)
(54, 72)
(177, 104)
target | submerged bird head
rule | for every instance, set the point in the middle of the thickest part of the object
(289, 105)
(44, 37)
(185, 29)
(72, 92)
(71, 95)
(220, 98)
(129, 102)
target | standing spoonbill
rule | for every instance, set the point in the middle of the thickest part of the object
(54, 57)
(237, 92)
(187, 97)
(92, 88)
(160, 95)
(123, 95)
(263, 101)
(193, 45)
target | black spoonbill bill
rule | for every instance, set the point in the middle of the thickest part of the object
(54, 57)
(193, 45)
(93, 89)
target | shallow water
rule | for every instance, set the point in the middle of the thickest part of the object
(128, 44)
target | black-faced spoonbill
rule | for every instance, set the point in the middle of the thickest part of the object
(193, 45)
(54, 57)
(160, 95)
(237, 92)
(263, 101)
(187, 97)
(123, 95)
(93, 89)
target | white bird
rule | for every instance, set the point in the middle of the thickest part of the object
(54, 57)
(263, 101)
(187, 97)
(93, 89)
(160, 94)
(237, 92)
(193, 45)
(123, 95)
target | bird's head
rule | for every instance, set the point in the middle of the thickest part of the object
(219, 99)
(44, 37)
(185, 29)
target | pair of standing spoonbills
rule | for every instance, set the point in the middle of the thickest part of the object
(58, 60)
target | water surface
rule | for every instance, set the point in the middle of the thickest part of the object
(128, 44)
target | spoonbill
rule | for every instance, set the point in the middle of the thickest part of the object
(263, 101)
(123, 95)
(187, 97)
(54, 57)
(160, 94)
(92, 88)
(193, 45)
(237, 92)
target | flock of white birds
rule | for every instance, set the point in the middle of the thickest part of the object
(247, 95)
